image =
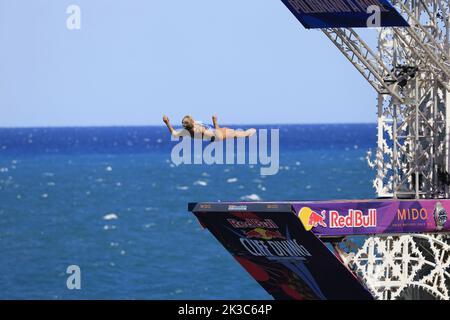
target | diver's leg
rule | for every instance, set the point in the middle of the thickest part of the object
(221, 133)
(215, 124)
(244, 134)
(227, 133)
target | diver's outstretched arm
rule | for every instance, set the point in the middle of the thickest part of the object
(173, 132)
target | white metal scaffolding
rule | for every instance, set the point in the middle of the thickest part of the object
(410, 71)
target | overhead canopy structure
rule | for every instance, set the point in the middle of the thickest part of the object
(344, 13)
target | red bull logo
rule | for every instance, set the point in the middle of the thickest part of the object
(259, 233)
(354, 219)
(253, 223)
(311, 219)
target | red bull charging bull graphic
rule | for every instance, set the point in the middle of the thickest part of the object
(311, 219)
(260, 233)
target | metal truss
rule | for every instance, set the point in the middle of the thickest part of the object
(363, 58)
(406, 267)
(410, 70)
(429, 41)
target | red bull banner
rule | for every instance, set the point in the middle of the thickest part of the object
(360, 217)
(280, 243)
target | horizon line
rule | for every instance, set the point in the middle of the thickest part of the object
(162, 125)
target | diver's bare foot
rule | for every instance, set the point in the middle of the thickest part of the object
(251, 132)
(165, 119)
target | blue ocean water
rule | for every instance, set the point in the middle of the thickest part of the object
(110, 201)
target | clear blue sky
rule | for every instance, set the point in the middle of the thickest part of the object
(248, 61)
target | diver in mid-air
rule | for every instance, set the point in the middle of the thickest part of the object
(197, 129)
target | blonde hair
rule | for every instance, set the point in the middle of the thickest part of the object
(188, 118)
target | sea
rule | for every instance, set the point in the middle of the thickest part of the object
(110, 201)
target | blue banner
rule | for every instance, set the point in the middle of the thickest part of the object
(345, 13)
